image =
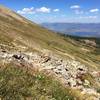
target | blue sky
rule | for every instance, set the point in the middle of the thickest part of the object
(39, 11)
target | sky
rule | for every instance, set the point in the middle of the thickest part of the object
(64, 11)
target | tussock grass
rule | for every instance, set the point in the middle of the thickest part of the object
(19, 84)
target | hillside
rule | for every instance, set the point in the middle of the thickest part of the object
(33, 52)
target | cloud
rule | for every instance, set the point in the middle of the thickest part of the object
(88, 17)
(43, 10)
(56, 10)
(75, 7)
(94, 10)
(33, 10)
(26, 11)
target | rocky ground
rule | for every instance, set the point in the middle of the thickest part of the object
(69, 71)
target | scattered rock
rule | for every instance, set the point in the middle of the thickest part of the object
(80, 69)
(70, 71)
(86, 83)
(18, 56)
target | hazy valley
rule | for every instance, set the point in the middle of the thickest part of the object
(76, 29)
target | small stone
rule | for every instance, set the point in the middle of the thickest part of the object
(86, 82)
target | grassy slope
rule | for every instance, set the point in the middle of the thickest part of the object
(15, 29)
(24, 83)
(84, 51)
(17, 83)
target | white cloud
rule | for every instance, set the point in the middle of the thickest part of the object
(43, 10)
(20, 12)
(75, 7)
(56, 10)
(33, 10)
(26, 11)
(94, 10)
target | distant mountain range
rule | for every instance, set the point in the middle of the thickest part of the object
(76, 29)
